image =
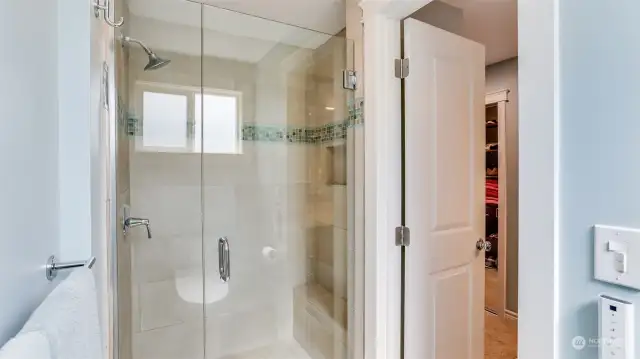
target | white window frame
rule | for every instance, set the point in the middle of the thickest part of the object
(141, 88)
(190, 92)
(227, 93)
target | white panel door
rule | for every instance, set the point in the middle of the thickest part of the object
(444, 184)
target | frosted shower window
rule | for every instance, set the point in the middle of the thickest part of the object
(165, 118)
(220, 123)
(178, 118)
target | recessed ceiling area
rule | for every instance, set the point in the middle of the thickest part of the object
(493, 23)
(175, 26)
(326, 16)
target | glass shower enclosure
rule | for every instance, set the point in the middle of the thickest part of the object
(234, 156)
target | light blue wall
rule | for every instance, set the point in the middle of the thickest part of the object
(28, 157)
(600, 151)
(50, 84)
(74, 111)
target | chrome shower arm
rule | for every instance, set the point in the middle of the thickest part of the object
(132, 40)
(155, 61)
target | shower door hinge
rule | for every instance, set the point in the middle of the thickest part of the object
(349, 79)
(403, 236)
(402, 68)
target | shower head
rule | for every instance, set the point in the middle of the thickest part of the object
(155, 62)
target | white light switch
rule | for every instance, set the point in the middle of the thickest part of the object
(617, 328)
(617, 255)
(621, 261)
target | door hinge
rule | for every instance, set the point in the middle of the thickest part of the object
(403, 236)
(349, 79)
(402, 68)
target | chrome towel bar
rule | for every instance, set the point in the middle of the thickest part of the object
(53, 266)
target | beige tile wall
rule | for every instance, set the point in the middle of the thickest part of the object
(320, 313)
(272, 195)
(257, 199)
(125, 309)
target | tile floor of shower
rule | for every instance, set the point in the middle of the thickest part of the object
(283, 350)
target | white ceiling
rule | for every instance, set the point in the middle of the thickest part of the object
(174, 25)
(326, 16)
(493, 23)
(234, 34)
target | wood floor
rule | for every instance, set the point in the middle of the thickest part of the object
(491, 288)
(500, 337)
(500, 334)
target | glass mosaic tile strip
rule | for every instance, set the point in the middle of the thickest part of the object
(310, 135)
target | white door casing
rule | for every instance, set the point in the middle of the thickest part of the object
(500, 99)
(444, 194)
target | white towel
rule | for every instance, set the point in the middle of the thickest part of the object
(32, 345)
(69, 318)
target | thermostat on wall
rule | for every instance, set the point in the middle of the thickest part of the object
(617, 329)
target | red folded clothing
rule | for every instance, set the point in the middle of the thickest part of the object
(491, 191)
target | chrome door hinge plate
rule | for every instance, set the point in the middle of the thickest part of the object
(402, 68)
(403, 236)
(349, 79)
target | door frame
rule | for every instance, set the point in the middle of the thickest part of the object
(500, 99)
(539, 121)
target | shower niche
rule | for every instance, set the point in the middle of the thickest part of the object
(337, 165)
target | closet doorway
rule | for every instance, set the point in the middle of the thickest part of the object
(495, 202)
(460, 156)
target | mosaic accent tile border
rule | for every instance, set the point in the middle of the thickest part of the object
(309, 135)
(253, 132)
(313, 135)
(356, 112)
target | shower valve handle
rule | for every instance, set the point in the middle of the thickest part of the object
(132, 222)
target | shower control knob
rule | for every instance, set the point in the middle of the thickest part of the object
(131, 222)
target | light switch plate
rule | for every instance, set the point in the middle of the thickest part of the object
(611, 244)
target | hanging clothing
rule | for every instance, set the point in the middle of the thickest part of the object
(491, 193)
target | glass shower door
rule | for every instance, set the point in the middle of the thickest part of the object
(236, 153)
(165, 181)
(272, 128)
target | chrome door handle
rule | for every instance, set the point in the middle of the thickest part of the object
(481, 244)
(224, 259)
